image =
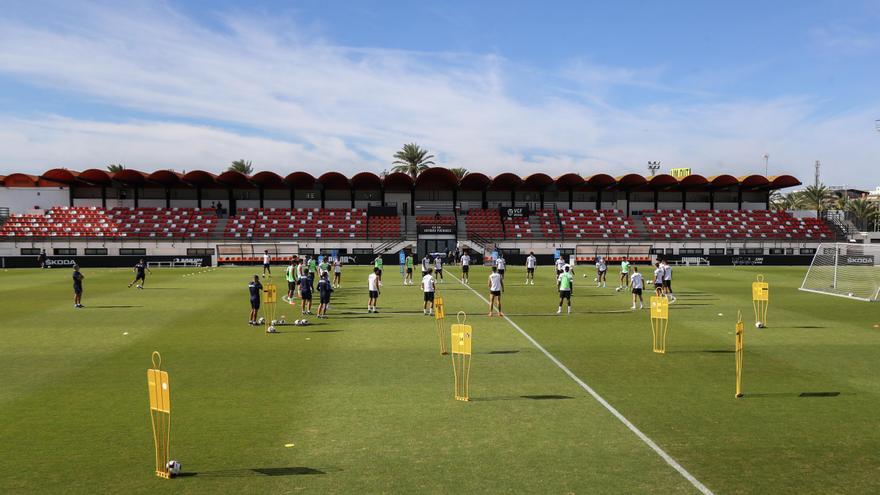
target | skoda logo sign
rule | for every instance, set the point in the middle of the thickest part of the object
(61, 262)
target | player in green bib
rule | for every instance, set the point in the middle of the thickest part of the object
(325, 268)
(565, 283)
(377, 264)
(291, 277)
(624, 275)
(409, 269)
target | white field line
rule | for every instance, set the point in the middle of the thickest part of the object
(644, 438)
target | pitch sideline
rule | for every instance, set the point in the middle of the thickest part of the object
(644, 438)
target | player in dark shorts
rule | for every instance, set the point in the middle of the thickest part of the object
(325, 288)
(140, 274)
(305, 293)
(426, 263)
(428, 289)
(255, 288)
(42, 258)
(267, 263)
(77, 287)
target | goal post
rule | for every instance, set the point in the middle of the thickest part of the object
(845, 270)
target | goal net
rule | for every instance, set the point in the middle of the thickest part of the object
(845, 270)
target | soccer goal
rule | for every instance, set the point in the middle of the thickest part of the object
(845, 270)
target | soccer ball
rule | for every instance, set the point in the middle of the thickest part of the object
(173, 467)
(274, 322)
(281, 322)
(595, 279)
(304, 322)
(261, 321)
(617, 289)
(759, 324)
(271, 329)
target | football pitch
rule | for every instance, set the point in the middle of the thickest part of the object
(363, 403)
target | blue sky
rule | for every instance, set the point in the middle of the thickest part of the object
(491, 86)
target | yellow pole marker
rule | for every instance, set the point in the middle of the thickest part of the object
(440, 322)
(659, 322)
(160, 414)
(461, 356)
(740, 333)
(270, 301)
(760, 301)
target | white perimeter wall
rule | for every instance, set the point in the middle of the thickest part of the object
(23, 199)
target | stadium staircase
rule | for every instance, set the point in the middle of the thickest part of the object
(842, 227)
(219, 228)
(409, 227)
(639, 227)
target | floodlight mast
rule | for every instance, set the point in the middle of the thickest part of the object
(653, 167)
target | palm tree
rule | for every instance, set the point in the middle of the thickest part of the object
(778, 201)
(115, 167)
(864, 211)
(242, 166)
(412, 160)
(790, 201)
(459, 172)
(817, 198)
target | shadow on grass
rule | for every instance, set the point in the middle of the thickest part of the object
(804, 326)
(255, 472)
(111, 307)
(521, 397)
(501, 352)
(702, 351)
(784, 395)
(588, 312)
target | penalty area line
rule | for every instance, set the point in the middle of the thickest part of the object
(601, 400)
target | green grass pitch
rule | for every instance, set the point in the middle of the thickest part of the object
(367, 399)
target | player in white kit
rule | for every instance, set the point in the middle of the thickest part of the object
(531, 262)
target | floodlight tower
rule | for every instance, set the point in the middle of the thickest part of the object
(653, 167)
(766, 163)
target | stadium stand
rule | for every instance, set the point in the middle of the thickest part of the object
(301, 222)
(345, 223)
(310, 223)
(384, 227)
(61, 221)
(732, 224)
(164, 222)
(485, 223)
(595, 224)
(517, 228)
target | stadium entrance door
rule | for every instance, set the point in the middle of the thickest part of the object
(436, 246)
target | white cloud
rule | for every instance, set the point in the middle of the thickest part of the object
(840, 37)
(280, 96)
